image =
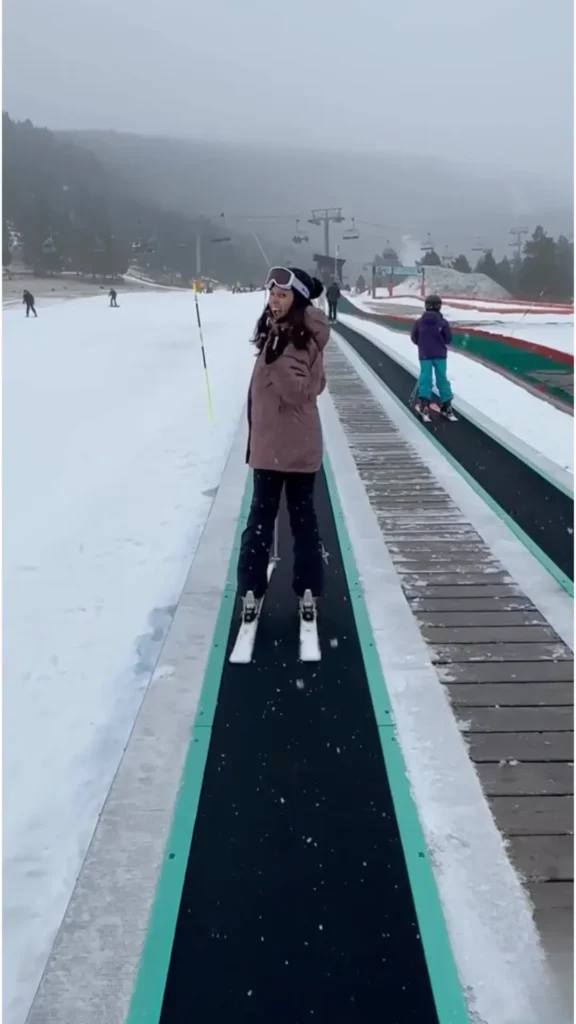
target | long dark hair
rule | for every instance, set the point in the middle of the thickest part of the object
(293, 324)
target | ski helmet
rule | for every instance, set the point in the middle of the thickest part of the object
(433, 302)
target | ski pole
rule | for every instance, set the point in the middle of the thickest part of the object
(205, 366)
(276, 540)
(274, 557)
(526, 311)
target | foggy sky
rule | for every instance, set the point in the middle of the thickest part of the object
(487, 81)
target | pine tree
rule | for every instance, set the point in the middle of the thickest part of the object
(462, 265)
(565, 268)
(538, 274)
(487, 265)
(431, 259)
(506, 275)
(6, 250)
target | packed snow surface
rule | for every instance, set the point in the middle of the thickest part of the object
(546, 429)
(110, 465)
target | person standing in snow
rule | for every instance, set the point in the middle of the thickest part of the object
(432, 334)
(28, 301)
(285, 440)
(113, 295)
(333, 295)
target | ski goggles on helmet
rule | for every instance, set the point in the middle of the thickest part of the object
(282, 277)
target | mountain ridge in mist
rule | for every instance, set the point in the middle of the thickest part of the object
(459, 205)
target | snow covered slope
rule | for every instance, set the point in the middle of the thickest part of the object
(109, 467)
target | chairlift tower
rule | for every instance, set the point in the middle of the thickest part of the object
(323, 218)
(517, 244)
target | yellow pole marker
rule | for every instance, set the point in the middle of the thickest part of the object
(204, 364)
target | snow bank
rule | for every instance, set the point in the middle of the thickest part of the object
(541, 330)
(546, 429)
(110, 463)
(445, 281)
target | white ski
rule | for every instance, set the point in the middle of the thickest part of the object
(244, 647)
(251, 610)
(309, 642)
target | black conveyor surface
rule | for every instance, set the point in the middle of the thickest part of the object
(296, 905)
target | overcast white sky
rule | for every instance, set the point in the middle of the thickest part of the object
(480, 80)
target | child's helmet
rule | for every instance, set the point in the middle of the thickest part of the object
(433, 302)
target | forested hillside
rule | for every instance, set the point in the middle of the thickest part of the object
(65, 211)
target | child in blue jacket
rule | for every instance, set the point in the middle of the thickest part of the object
(432, 334)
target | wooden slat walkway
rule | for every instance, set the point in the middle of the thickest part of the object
(508, 674)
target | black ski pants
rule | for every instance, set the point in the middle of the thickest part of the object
(259, 533)
(30, 306)
(332, 310)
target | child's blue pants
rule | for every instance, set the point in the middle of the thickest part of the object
(424, 390)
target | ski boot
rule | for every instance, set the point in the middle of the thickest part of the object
(422, 409)
(447, 412)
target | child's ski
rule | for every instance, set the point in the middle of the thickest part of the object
(449, 414)
(244, 647)
(309, 642)
(422, 411)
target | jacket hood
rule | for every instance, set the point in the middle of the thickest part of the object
(431, 316)
(318, 326)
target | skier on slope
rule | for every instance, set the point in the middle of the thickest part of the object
(432, 334)
(28, 301)
(113, 295)
(333, 294)
(285, 441)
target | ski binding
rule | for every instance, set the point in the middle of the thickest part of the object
(244, 647)
(423, 412)
(451, 415)
(309, 642)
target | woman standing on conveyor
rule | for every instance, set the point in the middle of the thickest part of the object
(285, 440)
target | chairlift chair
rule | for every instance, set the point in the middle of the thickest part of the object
(299, 237)
(223, 236)
(350, 234)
